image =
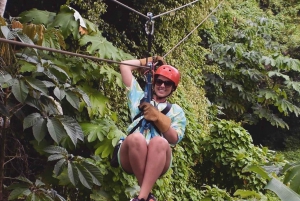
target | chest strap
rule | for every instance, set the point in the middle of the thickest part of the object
(164, 111)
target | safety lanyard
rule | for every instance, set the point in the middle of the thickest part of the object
(149, 28)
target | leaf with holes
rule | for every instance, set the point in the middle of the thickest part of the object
(66, 22)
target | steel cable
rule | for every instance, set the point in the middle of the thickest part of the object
(130, 8)
(64, 52)
(193, 30)
(174, 9)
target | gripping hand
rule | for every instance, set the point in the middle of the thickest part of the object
(161, 121)
(156, 59)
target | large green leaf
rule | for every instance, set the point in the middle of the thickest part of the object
(293, 64)
(72, 173)
(37, 84)
(278, 74)
(39, 129)
(268, 61)
(292, 177)
(66, 22)
(58, 167)
(96, 129)
(283, 192)
(16, 193)
(55, 157)
(84, 176)
(72, 99)
(56, 129)
(56, 150)
(83, 95)
(99, 46)
(31, 119)
(27, 67)
(63, 177)
(97, 99)
(94, 171)
(294, 85)
(5, 77)
(285, 106)
(112, 75)
(257, 169)
(105, 148)
(267, 94)
(59, 93)
(20, 90)
(72, 128)
(37, 16)
(59, 73)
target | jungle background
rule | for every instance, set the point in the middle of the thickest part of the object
(62, 115)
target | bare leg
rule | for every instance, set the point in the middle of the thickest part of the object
(158, 162)
(147, 163)
(133, 155)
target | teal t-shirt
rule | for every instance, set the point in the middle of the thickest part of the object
(176, 114)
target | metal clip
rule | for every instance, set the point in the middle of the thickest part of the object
(149, 24)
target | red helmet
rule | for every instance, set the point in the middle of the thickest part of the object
(169, 72)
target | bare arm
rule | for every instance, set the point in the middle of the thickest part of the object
(126, 71)
(171, 135)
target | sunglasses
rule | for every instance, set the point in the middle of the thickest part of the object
(159, 82)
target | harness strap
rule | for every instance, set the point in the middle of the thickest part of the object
(164, 111)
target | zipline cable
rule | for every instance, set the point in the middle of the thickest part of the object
(193, 30)
(174, 9)
(96, 58)
(130, 8)
(158, 14)
(64, 52)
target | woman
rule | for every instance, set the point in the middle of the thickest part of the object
(149, 156)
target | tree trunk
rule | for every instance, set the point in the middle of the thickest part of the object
(2, 159)
(2, 7)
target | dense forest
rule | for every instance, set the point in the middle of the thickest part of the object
(63, 105)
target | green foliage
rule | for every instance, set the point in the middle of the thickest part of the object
(292, 176)
(32, 191)
(260, 81)
(284, 192)
(78, 168)
(104, 133)
(44, 84)
(235, 54)
(226, 152)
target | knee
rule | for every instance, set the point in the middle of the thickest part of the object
(135, 140)
(159, 143)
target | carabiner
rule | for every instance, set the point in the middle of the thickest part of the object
(149, 24)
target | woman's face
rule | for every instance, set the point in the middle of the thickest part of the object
(163, 86)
